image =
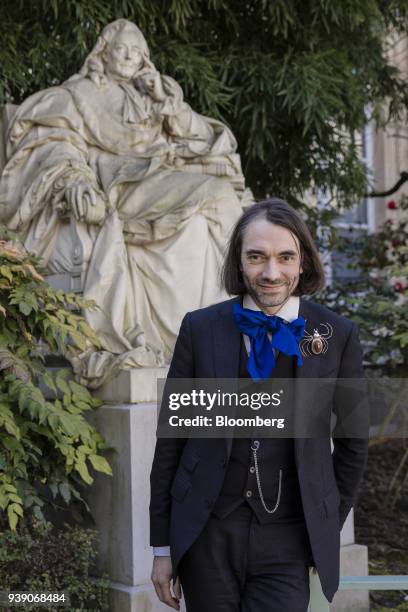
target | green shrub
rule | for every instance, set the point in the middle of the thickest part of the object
(377, 300)
(46, 444)
(39, 558)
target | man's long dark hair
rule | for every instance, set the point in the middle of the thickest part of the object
(279, 212)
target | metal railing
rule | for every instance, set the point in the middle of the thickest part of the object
(318, 602)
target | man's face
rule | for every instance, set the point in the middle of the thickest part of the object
(123, 57)
(270, 264)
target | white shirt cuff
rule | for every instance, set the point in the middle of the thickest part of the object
(161, 551)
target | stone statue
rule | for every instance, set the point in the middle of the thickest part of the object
(114, 162)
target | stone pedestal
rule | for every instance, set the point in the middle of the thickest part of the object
(353, 562)
(132, 386)
(120, 504)
(136, 599)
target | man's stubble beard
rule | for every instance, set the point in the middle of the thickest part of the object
(269, 301)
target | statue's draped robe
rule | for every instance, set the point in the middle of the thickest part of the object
(156, 254)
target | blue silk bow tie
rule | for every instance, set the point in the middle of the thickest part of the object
(285, 337)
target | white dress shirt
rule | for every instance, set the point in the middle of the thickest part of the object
(289, 311)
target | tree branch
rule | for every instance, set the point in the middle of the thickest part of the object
(382, 194)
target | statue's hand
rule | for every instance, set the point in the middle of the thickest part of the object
(153, 84)
(81, 197)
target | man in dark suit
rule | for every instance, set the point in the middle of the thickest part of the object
(239, 521)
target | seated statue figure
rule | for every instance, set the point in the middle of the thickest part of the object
(151, 187)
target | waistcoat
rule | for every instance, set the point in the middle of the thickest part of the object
(240, 484)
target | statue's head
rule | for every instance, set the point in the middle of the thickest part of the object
(120, 53)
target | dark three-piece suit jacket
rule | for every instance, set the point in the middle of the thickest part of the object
(187, 474)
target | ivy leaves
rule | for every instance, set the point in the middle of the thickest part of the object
(45, 439)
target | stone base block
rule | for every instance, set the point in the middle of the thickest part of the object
(347, 533)
(141, 598)
(132, 386)
(120, 503)
(353, 562)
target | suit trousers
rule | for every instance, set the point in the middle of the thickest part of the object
(239, 565)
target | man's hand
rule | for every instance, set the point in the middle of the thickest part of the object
(161, 577)
(80, 197)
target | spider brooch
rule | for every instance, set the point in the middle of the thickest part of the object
(316, 344)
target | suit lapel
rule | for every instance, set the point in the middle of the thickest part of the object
(226, 341)
(309, 369)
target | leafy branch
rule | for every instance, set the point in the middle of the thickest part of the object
(46, 442)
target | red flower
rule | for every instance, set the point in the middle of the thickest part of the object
(392, 205)
(399, 286)
(395, 243)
